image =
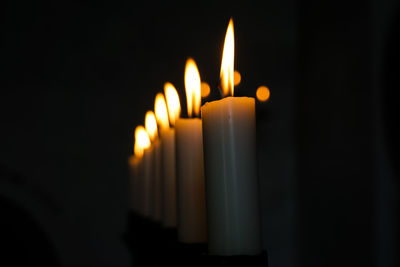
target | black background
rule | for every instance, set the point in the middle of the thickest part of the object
(79, 76)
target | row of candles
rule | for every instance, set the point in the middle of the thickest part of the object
(198, 174)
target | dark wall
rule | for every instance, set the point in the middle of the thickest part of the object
(347, 188)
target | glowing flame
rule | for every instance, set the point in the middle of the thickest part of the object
(151, 125)
(174, 106)
(262, 93)
(205, 89)
(193, 88)
(237, 78)
(160, 108)
(142, 141)
(227, 64)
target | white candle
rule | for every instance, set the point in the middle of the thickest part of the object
(157, 197)
(190, 167)
(155, 172)
(148, 173)
(190, 180)
(169, 178)
(230, 167)
(142, 141)
(232, 185)
(133, 164)
(168, 162)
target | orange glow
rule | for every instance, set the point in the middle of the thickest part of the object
(160, 109)
(142, 141)
(193, 88)
(227, 64)
(173, 104)
(133, 160)
(205, 89)
(151, 125)
(237, 78)
(262, 93)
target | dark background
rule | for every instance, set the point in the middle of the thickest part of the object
(78, 77)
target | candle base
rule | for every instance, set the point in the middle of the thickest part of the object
(260, 260)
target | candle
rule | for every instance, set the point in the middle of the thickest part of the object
(133, 164)
(168, 162)
(190, 167)
(155, 178)
(142, 142)
(230, 167)
(148, 172)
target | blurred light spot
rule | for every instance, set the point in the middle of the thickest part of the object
(236, 77)
(205, 89)
(262, 93)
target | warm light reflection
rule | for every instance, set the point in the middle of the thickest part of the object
(227, 64)
(237, 78)
(150, 124)
(133, 160)
(160, 109)
(142, 141)
(205, 89)
(192, 87)
(262, 93)
(173, 104)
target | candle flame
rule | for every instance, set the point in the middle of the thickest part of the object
(237, 77)
(205, 89)
(150, 124)
(193, 87)
(262, 93)
(227, 64)
(160, 108)
(142, 141)
(173, 104)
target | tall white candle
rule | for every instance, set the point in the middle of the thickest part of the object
(230, 167)
(155, 173)
(142, 141)
(190, 181)
(148, 173)
(168, 162)
(157, 197)
(190, 167)
(133, 165)
(169, 178)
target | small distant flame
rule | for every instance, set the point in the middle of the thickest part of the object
(205, 89)
(227, 64)
(237, 78)
(151, 125)
(263, 93)
(173, 104)
(193, 88)
(142, 141)
(160, 109)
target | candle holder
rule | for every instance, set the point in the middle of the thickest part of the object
(260, 260)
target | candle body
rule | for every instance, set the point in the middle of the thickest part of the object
(156, 182)
(134, 175)
(231, 177)
(169, 178)
(190, 181)
(148, 173)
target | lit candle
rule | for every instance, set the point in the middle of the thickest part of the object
(230, 166)
(190, 167)
(142, 142)
(134, 175)
(155, 179)
(168, 162)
